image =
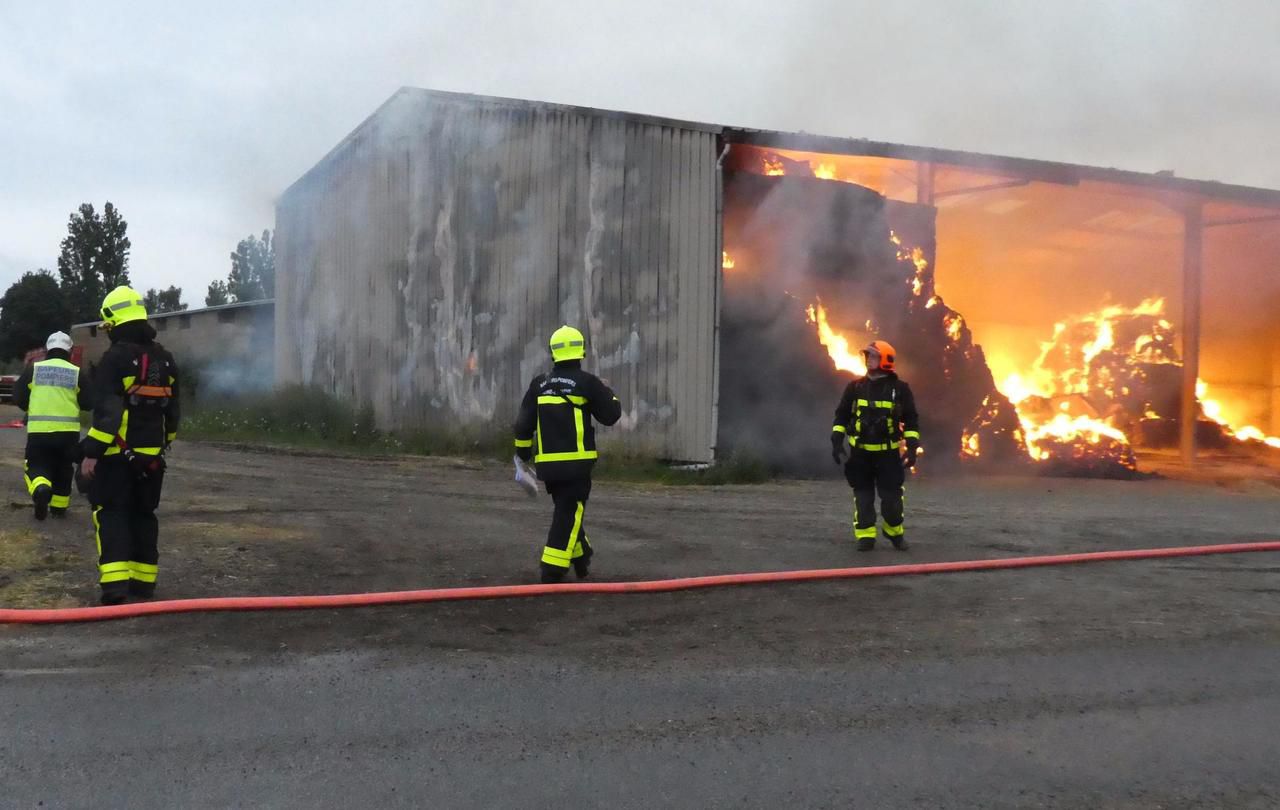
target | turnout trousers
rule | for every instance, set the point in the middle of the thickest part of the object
(124, 521)
(567, 538)
(50, 462)
(869, 473)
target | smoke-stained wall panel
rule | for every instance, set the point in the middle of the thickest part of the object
(424, 262)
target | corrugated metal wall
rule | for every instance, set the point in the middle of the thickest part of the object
(423, 264)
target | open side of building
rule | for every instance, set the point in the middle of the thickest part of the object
(422, 264)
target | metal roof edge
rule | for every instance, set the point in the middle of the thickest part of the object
(262, 302)
(450, 96)
(1018, 167)
(342, 144)
(568, 109)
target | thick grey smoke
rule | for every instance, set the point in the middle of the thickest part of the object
(193, 118)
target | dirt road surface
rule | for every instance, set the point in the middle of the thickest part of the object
(1148, 684)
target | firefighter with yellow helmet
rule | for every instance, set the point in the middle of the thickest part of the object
(53, 394)
(875, 423)
(555, 429)
(135, 419)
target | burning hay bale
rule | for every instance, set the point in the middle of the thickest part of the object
(859, 266)
(1102, 383)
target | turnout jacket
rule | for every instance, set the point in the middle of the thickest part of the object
(556, 427)
(139, 412)
(878, 413)
(57, 390)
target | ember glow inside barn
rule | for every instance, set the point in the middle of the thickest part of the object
(1049, 316)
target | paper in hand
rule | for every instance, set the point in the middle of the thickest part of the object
(526, 478)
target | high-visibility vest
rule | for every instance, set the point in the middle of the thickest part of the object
(55, 403)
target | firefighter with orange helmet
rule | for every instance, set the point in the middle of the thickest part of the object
(875, 420)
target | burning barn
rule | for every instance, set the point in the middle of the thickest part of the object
(1048, 315)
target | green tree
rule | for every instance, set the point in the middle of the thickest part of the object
(161, 301)
(30, 310)
(253, 269)
(94, 259)
(217, 294)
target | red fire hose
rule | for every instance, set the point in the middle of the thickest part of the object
(91, 614)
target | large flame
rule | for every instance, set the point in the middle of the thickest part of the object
(1090, 360)
(1213, 410)
(1104, 358)
(1100, 357)
(916, 257)
(836, 343)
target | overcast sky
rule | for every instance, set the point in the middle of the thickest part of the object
(193, 119)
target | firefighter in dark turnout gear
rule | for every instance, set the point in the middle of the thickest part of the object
(53, 395)
(135, 418)
(555, 430)
(876, 417)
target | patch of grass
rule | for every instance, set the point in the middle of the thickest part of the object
(292, 415)
(306, 418)
(472, 442)
(34, 577)
(238, 532)
(739, 469)
(303, 417)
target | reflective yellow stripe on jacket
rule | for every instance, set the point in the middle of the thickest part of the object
(113, 447)
(580, 453)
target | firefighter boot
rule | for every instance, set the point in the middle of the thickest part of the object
(867, 544)
(59, 512)
(900, 543)
(582, 565)
(553, 574)
(41, 497)
(114, 593)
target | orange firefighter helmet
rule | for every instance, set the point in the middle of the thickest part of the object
(879, 355)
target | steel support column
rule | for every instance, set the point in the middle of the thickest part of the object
(1192, 288)
(924, 183)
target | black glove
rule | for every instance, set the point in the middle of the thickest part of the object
(838, 445)
(913, 449)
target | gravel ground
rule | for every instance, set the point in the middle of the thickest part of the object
(1145, 684)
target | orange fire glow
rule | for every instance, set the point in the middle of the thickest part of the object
(1081, 361)
(1084, 362)
(726, 261)
(1066, 369)
(836, 343)
(916, 255)
(1213, 410)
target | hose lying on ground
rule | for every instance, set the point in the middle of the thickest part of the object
(90, 614)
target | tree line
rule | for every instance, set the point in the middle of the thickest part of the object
(93, 260)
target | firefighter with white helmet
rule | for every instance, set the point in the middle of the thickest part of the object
(53, 394)
(875, 423)
(555, 429)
